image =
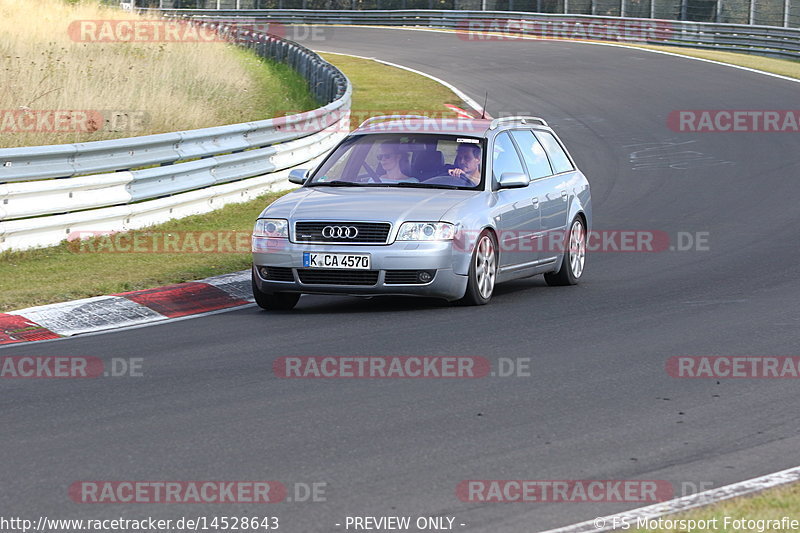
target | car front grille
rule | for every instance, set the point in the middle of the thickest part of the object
(324, 276)
(406, 277)
(368, 232)
(277, 273)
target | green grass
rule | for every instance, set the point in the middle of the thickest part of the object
(59, 273)
(280, 88)
(381, 89)
(772, 504)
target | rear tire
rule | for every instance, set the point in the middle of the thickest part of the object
(278, 301)
(574, 258)
(482, 271)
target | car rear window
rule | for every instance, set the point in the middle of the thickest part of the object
(558, 158)
(533, 153)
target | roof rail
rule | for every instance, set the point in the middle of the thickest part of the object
(370, 120)
(521, 119)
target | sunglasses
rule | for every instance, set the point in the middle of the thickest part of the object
(381, 157)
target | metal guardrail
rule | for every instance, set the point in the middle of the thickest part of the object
(479, 25)
(50, 192)
(784, 13)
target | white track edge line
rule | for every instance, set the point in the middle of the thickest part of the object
(458, 92)
(596, 43)
(701, 499)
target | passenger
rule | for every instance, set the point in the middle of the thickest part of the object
(393, 160)
(467, 163)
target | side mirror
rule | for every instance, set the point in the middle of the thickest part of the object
(513, 180)
(298, 175)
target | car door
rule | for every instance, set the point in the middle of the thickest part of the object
(539, 169)
(516, 212)
(554, 195)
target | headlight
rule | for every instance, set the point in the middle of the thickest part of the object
(426, 231)
(276, 228)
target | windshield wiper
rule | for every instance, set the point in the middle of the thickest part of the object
(427, 186)
(338, 183)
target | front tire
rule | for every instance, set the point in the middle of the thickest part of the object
(482, 271)
(278, 301)
(574, 258)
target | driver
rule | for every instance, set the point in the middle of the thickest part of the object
(467, 163)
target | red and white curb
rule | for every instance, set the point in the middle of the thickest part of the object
(636, 518)
(125, 309)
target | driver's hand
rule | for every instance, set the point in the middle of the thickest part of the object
(456, 172)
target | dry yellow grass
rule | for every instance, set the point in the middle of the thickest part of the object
(171, 86)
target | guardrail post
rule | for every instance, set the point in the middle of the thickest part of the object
(652, 9)
(622, 6)
(787, 7)
(752, 16)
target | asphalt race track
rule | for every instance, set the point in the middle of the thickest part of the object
(598, 404)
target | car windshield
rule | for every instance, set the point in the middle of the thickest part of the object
(404, 160)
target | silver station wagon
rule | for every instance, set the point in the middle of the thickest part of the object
(443, 208)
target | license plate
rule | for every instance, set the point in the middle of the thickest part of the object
(324, 260)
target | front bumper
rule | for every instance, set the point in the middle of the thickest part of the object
(449, 281)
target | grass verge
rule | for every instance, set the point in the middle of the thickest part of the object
(58, 273)
(784, 67)
(765, 509)
(382, 89)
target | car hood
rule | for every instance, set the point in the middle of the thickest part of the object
(367, 204)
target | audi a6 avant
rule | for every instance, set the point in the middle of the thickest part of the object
(409, 205)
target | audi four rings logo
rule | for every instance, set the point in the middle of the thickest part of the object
(339, 232)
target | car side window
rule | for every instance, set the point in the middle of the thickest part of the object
(558, 158)
(505, 157)
(533, 153)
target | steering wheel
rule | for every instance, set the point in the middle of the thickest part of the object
(447, 179)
